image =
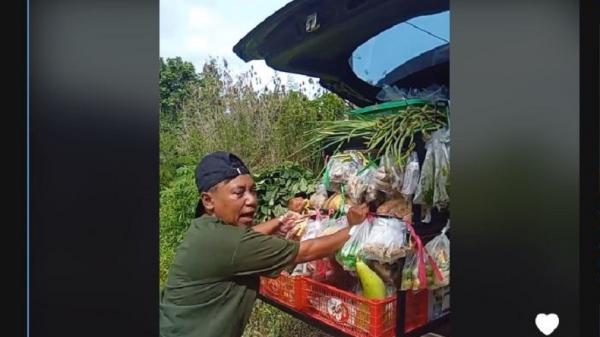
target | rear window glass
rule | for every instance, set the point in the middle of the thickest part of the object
(391, 48)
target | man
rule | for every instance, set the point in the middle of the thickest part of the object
(212, 284)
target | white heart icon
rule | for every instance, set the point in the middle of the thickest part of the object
(546, 323)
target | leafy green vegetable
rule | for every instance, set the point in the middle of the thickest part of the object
(276, 185)
(390, 136)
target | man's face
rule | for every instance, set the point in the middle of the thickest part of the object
(234, 201)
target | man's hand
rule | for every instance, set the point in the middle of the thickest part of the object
(287, 222)
(277, 225)
(357, 214)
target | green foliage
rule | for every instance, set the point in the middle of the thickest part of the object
(177, 207)
(177, 77)
(262, 127)
(275, 186)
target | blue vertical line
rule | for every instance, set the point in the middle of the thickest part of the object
(27, 178)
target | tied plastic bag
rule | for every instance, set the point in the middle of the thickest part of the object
(371, 192)
(410, 264)
(434, 182)
(411, 176)
(341, 167)
(323, 269)
(387, 241)
(358, 184)
(396, 173)
(439, 249)
(440, 141)
(332, 225)
(425, 187)
(420, 269)
(312, 228)
(317, 199)
(348, 254)
(388, 177)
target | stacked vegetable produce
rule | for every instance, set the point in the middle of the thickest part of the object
(384, 252)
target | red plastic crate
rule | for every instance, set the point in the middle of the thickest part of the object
(348, 312)
(284, 289)
(417, 309)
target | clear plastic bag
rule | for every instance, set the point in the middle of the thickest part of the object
(440, 140)
(311, 229)
(318, 269)
(317, 199)
(421, 270)
(439, 249)
(387, 241)
(411, 176)
(348, 254)
(396, 174)
(434, 182)
(358, 184)
(387, 177)
(397, 179)
(341, 171)
(323, 269)
(331, 225)
(432, 93)
(410, 263)
(414, 274)
(425, 187)
(371, 192)
(390, 93)
(341, 167)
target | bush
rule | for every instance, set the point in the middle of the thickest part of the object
(177, 207)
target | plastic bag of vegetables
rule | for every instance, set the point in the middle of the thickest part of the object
(411, 176)
(317, 269)
(341, 167)
(434, 182)
(371, 192)
(420, 269)
(317, 199)
(425, 187)
(440, 145)
(322, 269)
(410, 263)
(332, 225)
(439, 249)
(358, 184)
(397, 174)
(387, 241)
(348, 254)
(384, 179)
(309, 229)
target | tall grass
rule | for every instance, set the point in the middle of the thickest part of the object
(264, 128)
